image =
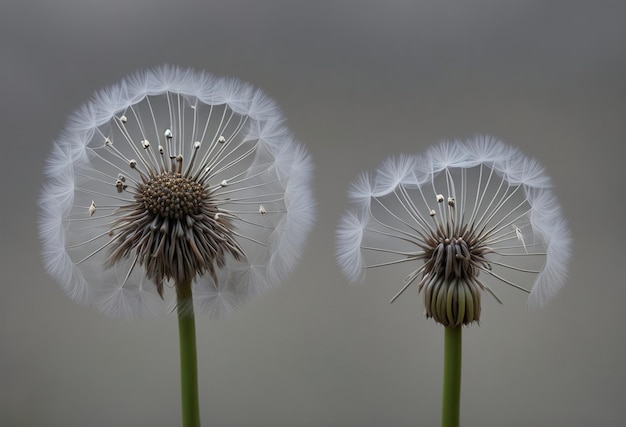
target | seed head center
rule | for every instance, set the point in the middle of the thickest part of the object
(452, 257)
(171, 195)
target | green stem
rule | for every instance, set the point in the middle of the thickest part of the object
(188, 358)
(451, 377)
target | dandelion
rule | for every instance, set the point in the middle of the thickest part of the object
(174, 179)
(463, 218)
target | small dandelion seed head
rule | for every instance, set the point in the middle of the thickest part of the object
(452, 262)
(502, 225)
(187, 214)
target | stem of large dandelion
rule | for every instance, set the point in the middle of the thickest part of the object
(188, 358)
(451, 376)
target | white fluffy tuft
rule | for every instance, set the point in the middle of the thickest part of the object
(522, 170)
(361, 189)
(349, 237)
(393, 172)
(447, 154)
(486, 150)
(549, 224)
(296, 225)
(236, 288)
(554, 274)
(119, 301)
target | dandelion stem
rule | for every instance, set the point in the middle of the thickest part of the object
(188, 358)
(451, 377)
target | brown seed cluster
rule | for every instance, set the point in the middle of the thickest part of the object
(172, 195)
(174, 229)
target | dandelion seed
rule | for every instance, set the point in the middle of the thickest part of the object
(183, 212)
(502, 224)
(520, 237)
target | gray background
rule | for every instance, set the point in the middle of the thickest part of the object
(357, 81)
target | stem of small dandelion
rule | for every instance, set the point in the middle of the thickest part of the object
(188, 358)
(451, 376)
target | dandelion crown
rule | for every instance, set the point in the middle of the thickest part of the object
(462, 211)
(174, 176)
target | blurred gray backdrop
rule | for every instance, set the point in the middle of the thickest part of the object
(357, 81)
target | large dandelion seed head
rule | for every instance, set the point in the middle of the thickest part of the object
(174, 176)
(461, 217)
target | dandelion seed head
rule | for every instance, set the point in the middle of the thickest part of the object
(468, 215)
(208, 201)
